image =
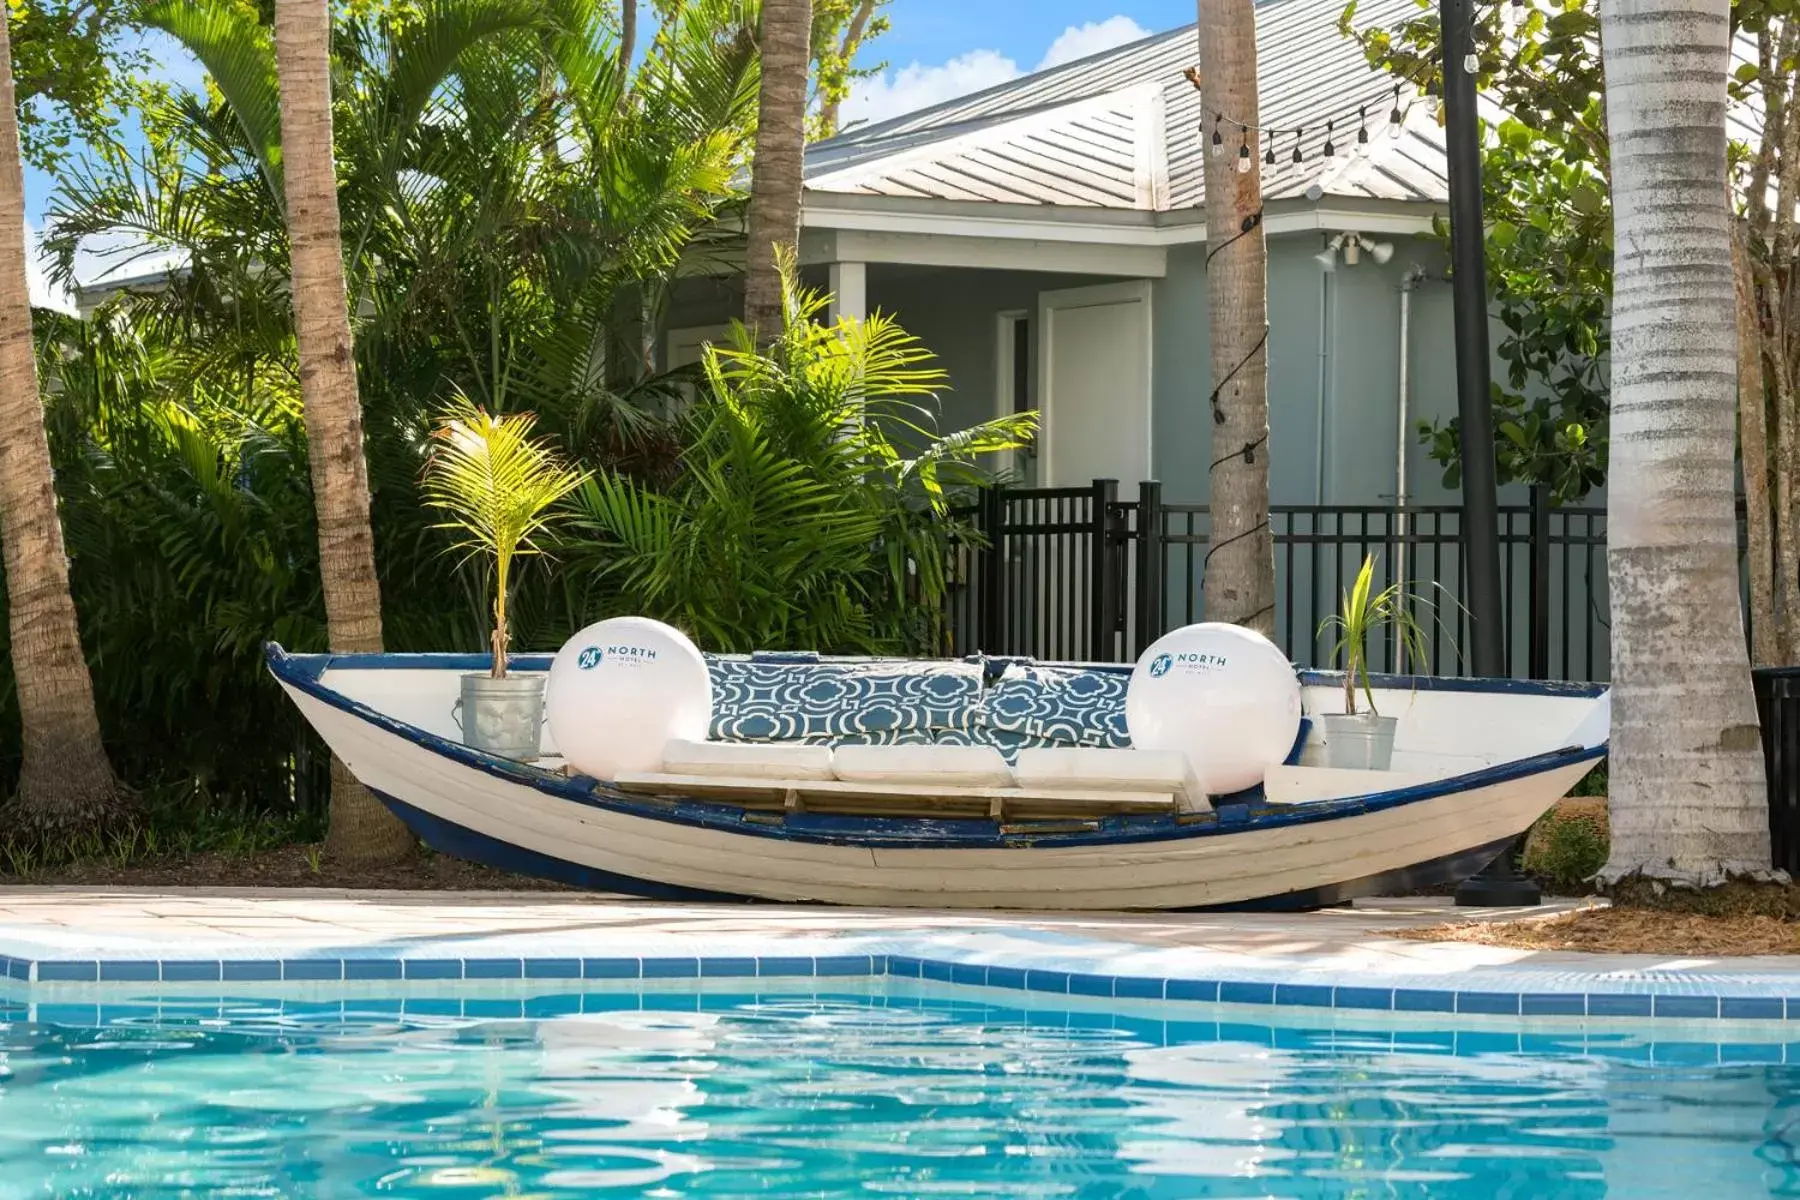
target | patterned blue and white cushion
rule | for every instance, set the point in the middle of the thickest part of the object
(1058, 706)
(769, 699)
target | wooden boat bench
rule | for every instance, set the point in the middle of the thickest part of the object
(916, 798)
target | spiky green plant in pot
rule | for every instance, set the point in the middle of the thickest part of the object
(499, 487)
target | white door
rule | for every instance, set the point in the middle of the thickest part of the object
(1094, 360)
(1094, 395)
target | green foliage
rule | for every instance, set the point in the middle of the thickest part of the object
(812, 509)
(840, 29)
(498, 486)
(515, 209)
(504, 188)
(174, 825)
(1363, 611)
(189, 523)
(1567, 847)
(76, 70)
(1549, 242)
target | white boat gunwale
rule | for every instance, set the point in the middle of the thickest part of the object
(304, 672)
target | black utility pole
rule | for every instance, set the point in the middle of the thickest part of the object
(1468, 277)
(1499, 883)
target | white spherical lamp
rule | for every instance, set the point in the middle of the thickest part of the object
(620, 690)
(1225, 696)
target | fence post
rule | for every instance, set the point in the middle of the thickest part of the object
(1539, 612)
(1103, 604)
(1150, 589)
(991, 615)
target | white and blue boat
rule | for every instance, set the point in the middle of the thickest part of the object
(1475, 763)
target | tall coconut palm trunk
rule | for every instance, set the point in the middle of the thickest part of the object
(1240, 565)
(66, 782)
(1687, 800)
(361, 829)
(776, 173)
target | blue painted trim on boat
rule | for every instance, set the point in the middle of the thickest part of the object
(304, 672)
(316, 664)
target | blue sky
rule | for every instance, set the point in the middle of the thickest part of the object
(941, 48)
(936, 50)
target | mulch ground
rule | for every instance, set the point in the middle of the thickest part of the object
(290, 866)
(1627, 930)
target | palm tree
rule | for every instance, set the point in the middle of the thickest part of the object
(66, 782)
(816, 498)
(361, 829)
(776, 175)
(627, 32)
(1688, 801)
(1240, 567)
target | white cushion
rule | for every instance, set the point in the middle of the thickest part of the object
(1105, 770)
(958, 766)
(751, 760)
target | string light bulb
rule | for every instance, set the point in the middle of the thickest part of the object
(1244, 155)
(1362, 125)
(1330, 150)
(1269, 154)
(1218, 140)
(1471, 64)
(1396, 117)
(1298, 157)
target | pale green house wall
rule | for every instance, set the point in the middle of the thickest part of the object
(1346, 323)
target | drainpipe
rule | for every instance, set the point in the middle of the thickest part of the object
(1324, 379)
(1409, 280)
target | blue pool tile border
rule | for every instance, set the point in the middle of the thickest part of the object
(1680, 1000)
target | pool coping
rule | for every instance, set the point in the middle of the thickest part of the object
(1515, 990)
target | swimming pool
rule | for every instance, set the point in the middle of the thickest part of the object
(891, 1088)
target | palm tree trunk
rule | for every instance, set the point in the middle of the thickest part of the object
(776, 173)
(66, 782)
(1240, 566)
(627, 34)
(361, 829)
(1688, 802)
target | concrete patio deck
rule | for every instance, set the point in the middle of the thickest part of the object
(53, 938)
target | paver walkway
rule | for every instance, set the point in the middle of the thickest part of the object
(1335, 948)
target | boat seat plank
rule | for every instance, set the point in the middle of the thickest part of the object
(920, 798)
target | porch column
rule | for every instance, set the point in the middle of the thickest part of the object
(849, 285)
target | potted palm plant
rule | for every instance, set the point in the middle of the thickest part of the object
(499, 487)
(1365, 740)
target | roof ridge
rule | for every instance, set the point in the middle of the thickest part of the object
(943, 142)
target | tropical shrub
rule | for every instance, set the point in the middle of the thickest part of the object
(1568, 845)
(812, 508)
(513, 203)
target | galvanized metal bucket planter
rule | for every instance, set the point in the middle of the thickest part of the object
(1363, 742)
(503, 716)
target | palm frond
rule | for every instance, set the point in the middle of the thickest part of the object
(239, 54)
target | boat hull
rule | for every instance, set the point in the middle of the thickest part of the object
(523, 819)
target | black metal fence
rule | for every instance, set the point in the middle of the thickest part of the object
(1083, 574)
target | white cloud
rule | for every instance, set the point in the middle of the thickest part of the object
(917, 86)
(1079, 41)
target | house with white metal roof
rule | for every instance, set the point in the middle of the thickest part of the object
(1046, 238)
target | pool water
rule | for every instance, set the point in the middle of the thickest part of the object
(669, 1096)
